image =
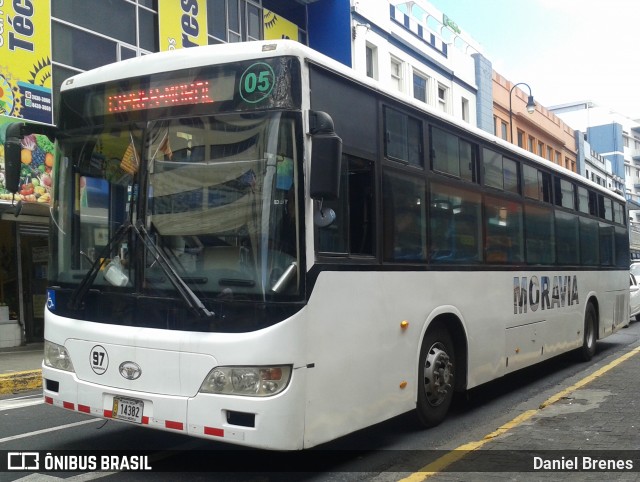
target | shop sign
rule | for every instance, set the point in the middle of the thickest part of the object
(182, 23)
(25, 60)
(277, 27)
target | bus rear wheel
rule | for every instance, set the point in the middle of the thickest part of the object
(436, 376)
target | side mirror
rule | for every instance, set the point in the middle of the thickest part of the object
(326, 157)
(12, 162)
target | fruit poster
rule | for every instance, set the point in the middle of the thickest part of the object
(36, 165)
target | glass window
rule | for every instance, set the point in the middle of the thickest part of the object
(492, 162)
(453, 155)
(567, 239)
(148, 23)
(564, 193)
(405, 234)
(81, 49)
(540, 239)
(605, 207)
(352, 230)
(510, 172)
(419, 87)
(589, 250)
(530, 177)
(446, 152)
(254, 22)
(504, 241)
(455, 225)
(593, 204)
(622, 248)
(607, 241)
(583, 200)
(619, 216)
(92, 15)
(217, 18)
(404, 137)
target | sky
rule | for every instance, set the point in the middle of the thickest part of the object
(565, 50)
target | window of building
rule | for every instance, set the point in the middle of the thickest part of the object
(234, 21)
(396, 74)
(550, 153)
(372, 61)
(540, 149)
(443, 92)
(520, 138)
(465, 109)
(420, 83)
(532, 143)
(503, 130)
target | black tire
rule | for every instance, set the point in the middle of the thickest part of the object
(436, 376)
(590, 334)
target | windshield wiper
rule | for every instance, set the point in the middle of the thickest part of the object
(194, 303)
(75, 302)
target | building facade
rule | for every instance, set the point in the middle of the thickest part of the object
(540, 132)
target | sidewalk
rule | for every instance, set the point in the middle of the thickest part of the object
(20, 368)
(580, 433)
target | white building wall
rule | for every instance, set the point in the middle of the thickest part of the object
(373, 26)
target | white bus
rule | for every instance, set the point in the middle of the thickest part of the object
(252, 244)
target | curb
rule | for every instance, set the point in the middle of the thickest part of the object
(20, 381)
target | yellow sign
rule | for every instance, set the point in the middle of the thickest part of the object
(25, 60)
(277, 27)
(182, 23)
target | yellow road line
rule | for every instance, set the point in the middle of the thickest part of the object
(19, 381)
(449, 458)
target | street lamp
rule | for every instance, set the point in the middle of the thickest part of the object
(531, 106)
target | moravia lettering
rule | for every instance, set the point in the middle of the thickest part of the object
(544, 293)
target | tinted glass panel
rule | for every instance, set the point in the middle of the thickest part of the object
(405, 234)
(567, 239)
(504, 242)
(510, 175)
(589, 249)
(446, 152)
(455, 225)
(493, 169)
(540, 235)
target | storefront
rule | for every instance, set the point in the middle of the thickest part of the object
(24, 252)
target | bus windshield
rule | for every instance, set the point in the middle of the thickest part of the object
(211, 203)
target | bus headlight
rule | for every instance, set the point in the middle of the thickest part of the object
(57, 356)
(248, 381)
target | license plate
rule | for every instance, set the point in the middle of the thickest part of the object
(128, 409)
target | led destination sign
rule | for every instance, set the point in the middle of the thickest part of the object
(165, 96)
(258, 84)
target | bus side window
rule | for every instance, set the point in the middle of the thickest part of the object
(404, 214)
(352, 232)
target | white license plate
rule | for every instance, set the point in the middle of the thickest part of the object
(128, 409)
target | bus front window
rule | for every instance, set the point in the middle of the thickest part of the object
(215, 195)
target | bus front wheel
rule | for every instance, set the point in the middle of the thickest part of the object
(590, 334)
(436, 376)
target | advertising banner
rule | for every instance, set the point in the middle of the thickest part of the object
(25, 60)
(36, 156)
(276, 27)
(182, 23)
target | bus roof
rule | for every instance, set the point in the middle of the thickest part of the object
(235, 52)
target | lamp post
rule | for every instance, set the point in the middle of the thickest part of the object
(531, 106)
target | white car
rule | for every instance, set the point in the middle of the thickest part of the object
(634, 298)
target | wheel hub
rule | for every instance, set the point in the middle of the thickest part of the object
(438, 374)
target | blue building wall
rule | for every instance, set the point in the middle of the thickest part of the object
(608, 138)
(329, 29)
(484, 95)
